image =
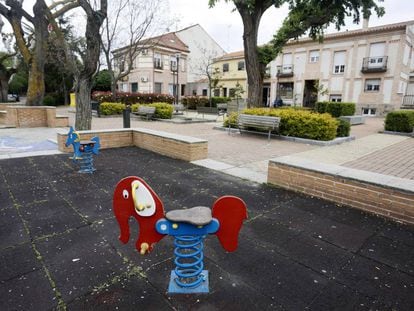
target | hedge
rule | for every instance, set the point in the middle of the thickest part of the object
(191, 102)
(344, 128)
(336, 109)
(132, 98)
(162, 110)
(400, 121)
(111, 108)
(298, 123)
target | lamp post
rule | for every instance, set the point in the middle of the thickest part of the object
(177, 56)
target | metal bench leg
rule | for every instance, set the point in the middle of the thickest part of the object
(268, 136)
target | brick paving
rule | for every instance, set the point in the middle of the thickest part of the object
(395, 160)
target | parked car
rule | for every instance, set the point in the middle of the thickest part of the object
(13, 97)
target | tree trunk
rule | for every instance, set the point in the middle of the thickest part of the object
(36, 84)
(36, 87)
(83, 104)
(254, 71)
(4, 89)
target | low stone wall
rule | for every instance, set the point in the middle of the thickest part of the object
(384, 195)
(31, 116)
(175, 146)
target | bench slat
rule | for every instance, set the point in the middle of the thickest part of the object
(265, 122)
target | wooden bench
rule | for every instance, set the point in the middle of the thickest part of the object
(178, 108)
(219, 110)
(262, 122)
(145, 111)
(222, 108)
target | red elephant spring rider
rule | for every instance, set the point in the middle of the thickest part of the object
(133, 197)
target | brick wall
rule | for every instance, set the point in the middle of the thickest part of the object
(375, 193)
(27, 116)
(175, 146)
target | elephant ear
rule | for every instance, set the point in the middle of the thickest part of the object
(230, 211)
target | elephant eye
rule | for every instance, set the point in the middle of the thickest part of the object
(125, 194)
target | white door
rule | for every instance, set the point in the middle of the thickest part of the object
(287, 63)
(376, 54)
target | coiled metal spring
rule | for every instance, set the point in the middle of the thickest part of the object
(86, 162)
(189, 260)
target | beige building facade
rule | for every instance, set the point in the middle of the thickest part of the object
(231, 72)
(372, 67)
(157, 66)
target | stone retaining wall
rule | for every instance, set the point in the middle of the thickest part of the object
(175, 146)
(384, 195)
(31, 116)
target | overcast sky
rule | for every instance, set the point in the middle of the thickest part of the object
(225, 26)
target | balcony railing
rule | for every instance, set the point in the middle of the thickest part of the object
(408, 102)
(158, 65)
(284, 71)
(374, 64)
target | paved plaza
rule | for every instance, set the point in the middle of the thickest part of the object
(59, 246)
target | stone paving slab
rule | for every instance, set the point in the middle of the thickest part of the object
(295, 252)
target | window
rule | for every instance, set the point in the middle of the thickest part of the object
(369, 111)
(124, 87)
(339, 62)
(182, 89)
(335, 98)
(372, 85)
(285, 90)
(204, 92)
(225, 67)
(134, 87)
(216, 92)
(173, 63)
(158, 88)
(314, 56)
(224, 92)
(157, 61)
(232, 92)
(240, 65)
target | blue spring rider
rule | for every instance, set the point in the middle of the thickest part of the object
(83, 150)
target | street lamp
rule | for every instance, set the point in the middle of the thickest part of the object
(177, 57)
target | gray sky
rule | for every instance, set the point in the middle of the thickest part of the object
(226, 27)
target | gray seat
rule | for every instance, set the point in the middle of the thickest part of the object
(198, 216)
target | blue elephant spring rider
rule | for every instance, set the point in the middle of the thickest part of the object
(83, 150)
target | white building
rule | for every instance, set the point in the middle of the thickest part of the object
(372, 67)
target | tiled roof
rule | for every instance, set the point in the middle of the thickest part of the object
(232, 55)
(359, 32)
(169, 40)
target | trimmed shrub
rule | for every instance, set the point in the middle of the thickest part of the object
(232, 118)
(336, 109)
(300, 123)
(111, 108)
(191, 102)
(400, 121)
(162, 110)
(344, 128)
(132, 98)
(49, 100)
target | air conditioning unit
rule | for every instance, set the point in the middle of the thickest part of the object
(144, 79)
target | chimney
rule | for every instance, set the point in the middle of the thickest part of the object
(365, 23)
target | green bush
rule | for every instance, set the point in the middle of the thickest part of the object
(336, 109)
(191, 102)
(162, 110)
(301, 123)
(111, 108)
(232, 118)
(400, 121)
(132, 98)
(344, 128)
(49, 100)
